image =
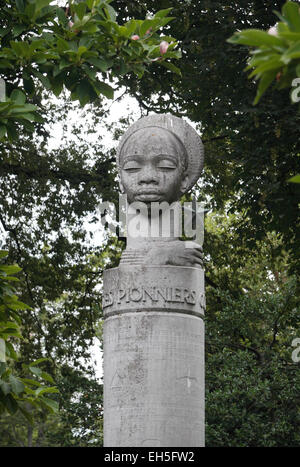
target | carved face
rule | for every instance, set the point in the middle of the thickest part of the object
(152, 164)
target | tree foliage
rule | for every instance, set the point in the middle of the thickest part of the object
(80, 46)
(250, 151)
(48, 200)
(17, 393)
(277, 52)
(46, 48)
(252, 382)
(48, 207)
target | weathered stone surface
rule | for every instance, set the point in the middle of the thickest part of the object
(164, 134)
(154, 302)
(153, 288)
(154, 380)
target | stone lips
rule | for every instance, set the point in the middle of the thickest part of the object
(153, 288)
(182, 130)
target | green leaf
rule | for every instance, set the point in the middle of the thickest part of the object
(5, 387)
(50, 403)
(42, 390)
(18, 29)
(269, 65)
(2, 131)
(163, 13)
(62, 45)
(36, 371)
(2, 368)
(30, 11)
(29, 117)
(110, 13)
(38, 361)
(16, 385)
(291, 36)
(292, 52)
(84, 91)
(90, 28)
(105, 89)
(17, 305)
(284, 21)
(155, 24)
(23, 108)
(255, 37)
(47, 377)
(10, 269)
(260, 58)
(38, 118)
(31, 382)
(295, 179)
(81, 50)
(80, 9)
(99, 63)
(39, 4)
(57, 85)
(10, 351)
(131, 26)
(171, 66)
(18, 97)
(43, 79)
(29, 85)
(147, 24)
(11, 404)
(20, 5)
(27, 415)
(264, 83)
(61, 16)
(291, 12)
(9, 332)
(5, 325)
(3, 253)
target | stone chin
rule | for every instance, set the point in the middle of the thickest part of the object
(152, 196)
(149, 197)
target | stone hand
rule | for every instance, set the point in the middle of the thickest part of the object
(179, 253)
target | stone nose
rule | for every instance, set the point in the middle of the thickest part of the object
(148, 175)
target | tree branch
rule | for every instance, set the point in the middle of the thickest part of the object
(74, 176)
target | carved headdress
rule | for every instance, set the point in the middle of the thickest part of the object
(183, 131)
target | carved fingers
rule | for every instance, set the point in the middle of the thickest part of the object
(187, 254)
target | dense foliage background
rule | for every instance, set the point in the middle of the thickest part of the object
(48, 195)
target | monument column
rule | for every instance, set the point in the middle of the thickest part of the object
(153, 356)
(154, 302)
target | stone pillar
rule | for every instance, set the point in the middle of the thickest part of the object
(153, 356)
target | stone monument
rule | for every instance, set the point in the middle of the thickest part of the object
(154, 301)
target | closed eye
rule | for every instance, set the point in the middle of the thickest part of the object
(131, 166)
(166, 165)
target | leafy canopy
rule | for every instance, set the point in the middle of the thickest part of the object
(16, 392)
(80, 47)
(277, 52)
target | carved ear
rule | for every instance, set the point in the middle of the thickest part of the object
(121, 186)
(184, 183)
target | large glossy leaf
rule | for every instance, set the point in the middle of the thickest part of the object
(255, 37)
(291, 12)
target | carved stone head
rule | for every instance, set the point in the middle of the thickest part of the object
(160, 157)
